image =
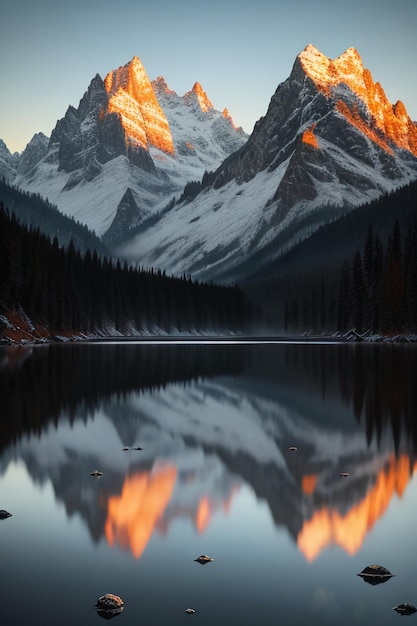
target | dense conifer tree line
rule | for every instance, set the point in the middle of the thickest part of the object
(376, 291)
(66, 290)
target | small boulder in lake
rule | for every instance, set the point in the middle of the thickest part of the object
(109, 605)
(203, 559)
(293, 449)
(190, 611)
(4, 514)
(405, 609)
(96, 473)
(375, 574)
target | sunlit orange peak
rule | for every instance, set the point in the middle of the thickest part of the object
(202, 98)
(132, 97)
(391, 121)
(227, 116)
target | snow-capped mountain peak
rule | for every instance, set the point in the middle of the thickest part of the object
(197, 96)
(329, 75)
(132, 98)
(130, 147)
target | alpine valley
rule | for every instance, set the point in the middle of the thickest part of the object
(167, 181)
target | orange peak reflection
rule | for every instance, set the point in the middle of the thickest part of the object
(133, 516)
(207, 508)
(327, 527)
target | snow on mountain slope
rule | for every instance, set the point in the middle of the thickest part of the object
(129, 135)
(95, 203)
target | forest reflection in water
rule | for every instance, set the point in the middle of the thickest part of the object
(323, 436)
(376, 381)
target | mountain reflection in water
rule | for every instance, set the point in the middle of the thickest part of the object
(210, 419)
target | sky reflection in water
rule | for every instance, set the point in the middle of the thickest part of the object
(287, 533)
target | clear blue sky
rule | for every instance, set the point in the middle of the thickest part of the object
(240, 52)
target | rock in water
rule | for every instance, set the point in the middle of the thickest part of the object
(4, 514)
(375, 574)
(405, 609)
(109, 605)
(203, 558)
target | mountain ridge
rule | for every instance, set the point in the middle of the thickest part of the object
(314, 155)
(330, 142)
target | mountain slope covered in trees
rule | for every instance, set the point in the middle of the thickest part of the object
(365, 277)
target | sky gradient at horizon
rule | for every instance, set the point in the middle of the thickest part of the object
(240, 53)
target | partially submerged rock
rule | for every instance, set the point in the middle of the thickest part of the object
(4, 514)
(190, 611)
(203, 558)
(375, 574)
(109, 605)
(405, 609)
(96, 473)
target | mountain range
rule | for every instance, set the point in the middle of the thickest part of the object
(167, 181)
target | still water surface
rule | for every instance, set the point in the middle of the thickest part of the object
(215, 476)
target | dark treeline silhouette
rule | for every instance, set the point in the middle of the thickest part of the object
(375, 291)
(36, 212)
(65, 290)
(193, 188)
(376, 380)
(38, 385)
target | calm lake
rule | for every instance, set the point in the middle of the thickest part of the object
(288, 529)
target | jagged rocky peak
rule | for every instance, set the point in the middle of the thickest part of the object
(35, 150)
(160, 86)
(325, 72)
(197, 96)
(331, 76)
(132, 97)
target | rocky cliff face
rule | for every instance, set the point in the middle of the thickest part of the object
(8, 162)
(132, 97)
